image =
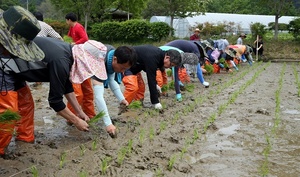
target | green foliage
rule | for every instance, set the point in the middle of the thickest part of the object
(281, 26)
(211, 29)
(9, 115)
(61, 27)
(107, 31)
(169, 72)
(258, 29)
(135, 30)
(159, 30)
(294, 28)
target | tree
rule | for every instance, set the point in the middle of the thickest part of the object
(278, 8)
(5, 4)
(97, 9)
(179, 8)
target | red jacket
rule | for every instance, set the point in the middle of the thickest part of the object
(78, 34)
(195, 37)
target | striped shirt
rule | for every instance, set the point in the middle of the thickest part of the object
(48, 31)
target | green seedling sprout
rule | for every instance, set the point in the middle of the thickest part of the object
(104, 165)
(171, 162)
(158, 172)
(83, 174)
(94, 144)
(151, 133)
(34, 171)
(82, 149)
(121, 155)
(129, 146)
(141, 136)
(62, 159)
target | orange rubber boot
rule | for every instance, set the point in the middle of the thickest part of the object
(88, 105)
(25, 126)
(8, 100)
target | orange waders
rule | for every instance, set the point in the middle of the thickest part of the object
(134, 87)
(85, 97)
(17, 100)
(183, 76)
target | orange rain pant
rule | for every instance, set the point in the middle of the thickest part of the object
(85, 97)
(216, 68)
(183, 76)
(17, 100)
(134, 87)
(161, 78)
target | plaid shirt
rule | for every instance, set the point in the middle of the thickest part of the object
(48, 31)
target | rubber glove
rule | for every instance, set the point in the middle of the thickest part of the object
(157, 106)
(158, 89)
(178, 97)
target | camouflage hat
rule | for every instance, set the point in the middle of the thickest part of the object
(18, 27)
(208, 44)
(189, 58)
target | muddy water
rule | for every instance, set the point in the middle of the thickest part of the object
(232, 146)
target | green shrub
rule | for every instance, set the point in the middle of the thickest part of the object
(294, 28)
(159, 30)
(135, 30)
(258, 29)
(106, 31)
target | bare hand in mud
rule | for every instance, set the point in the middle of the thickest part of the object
(83, 116)
(112, 131)
(81, 125)
(123, 107)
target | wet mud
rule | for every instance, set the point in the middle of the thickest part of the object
(245, 124)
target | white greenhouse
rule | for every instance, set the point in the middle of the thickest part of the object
(183, 26)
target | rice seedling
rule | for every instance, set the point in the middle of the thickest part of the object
(209, 68)
(151, 133)
(165, 88)
(162, 126)
(121, 155)
(9, 115)
(141, 136)
(135, 105)
(96, 119)
(82, 149)
(171, 162)
(105, 165)
(129, 146)
(83, 174)
(94, 144)
(34, 171)
(195, 136)
(190, 87)
(158, 172)
(62, 159)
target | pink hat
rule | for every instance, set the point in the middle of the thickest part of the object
(89, 60)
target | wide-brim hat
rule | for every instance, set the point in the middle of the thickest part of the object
(18, 27)
(197, 29)
(230, 52)
(207, 44)
(201, 49)
(243, 35)
(89, 60)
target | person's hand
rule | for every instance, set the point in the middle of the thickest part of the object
(111, 130)
(257, 49)
(83, 116)
(124, 102)
(158, 89)
(178, 97)
(157, 106)
(81, 125)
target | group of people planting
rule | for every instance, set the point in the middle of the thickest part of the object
(80, 71)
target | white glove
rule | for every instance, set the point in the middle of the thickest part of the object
(158, 89)
(158, 106)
